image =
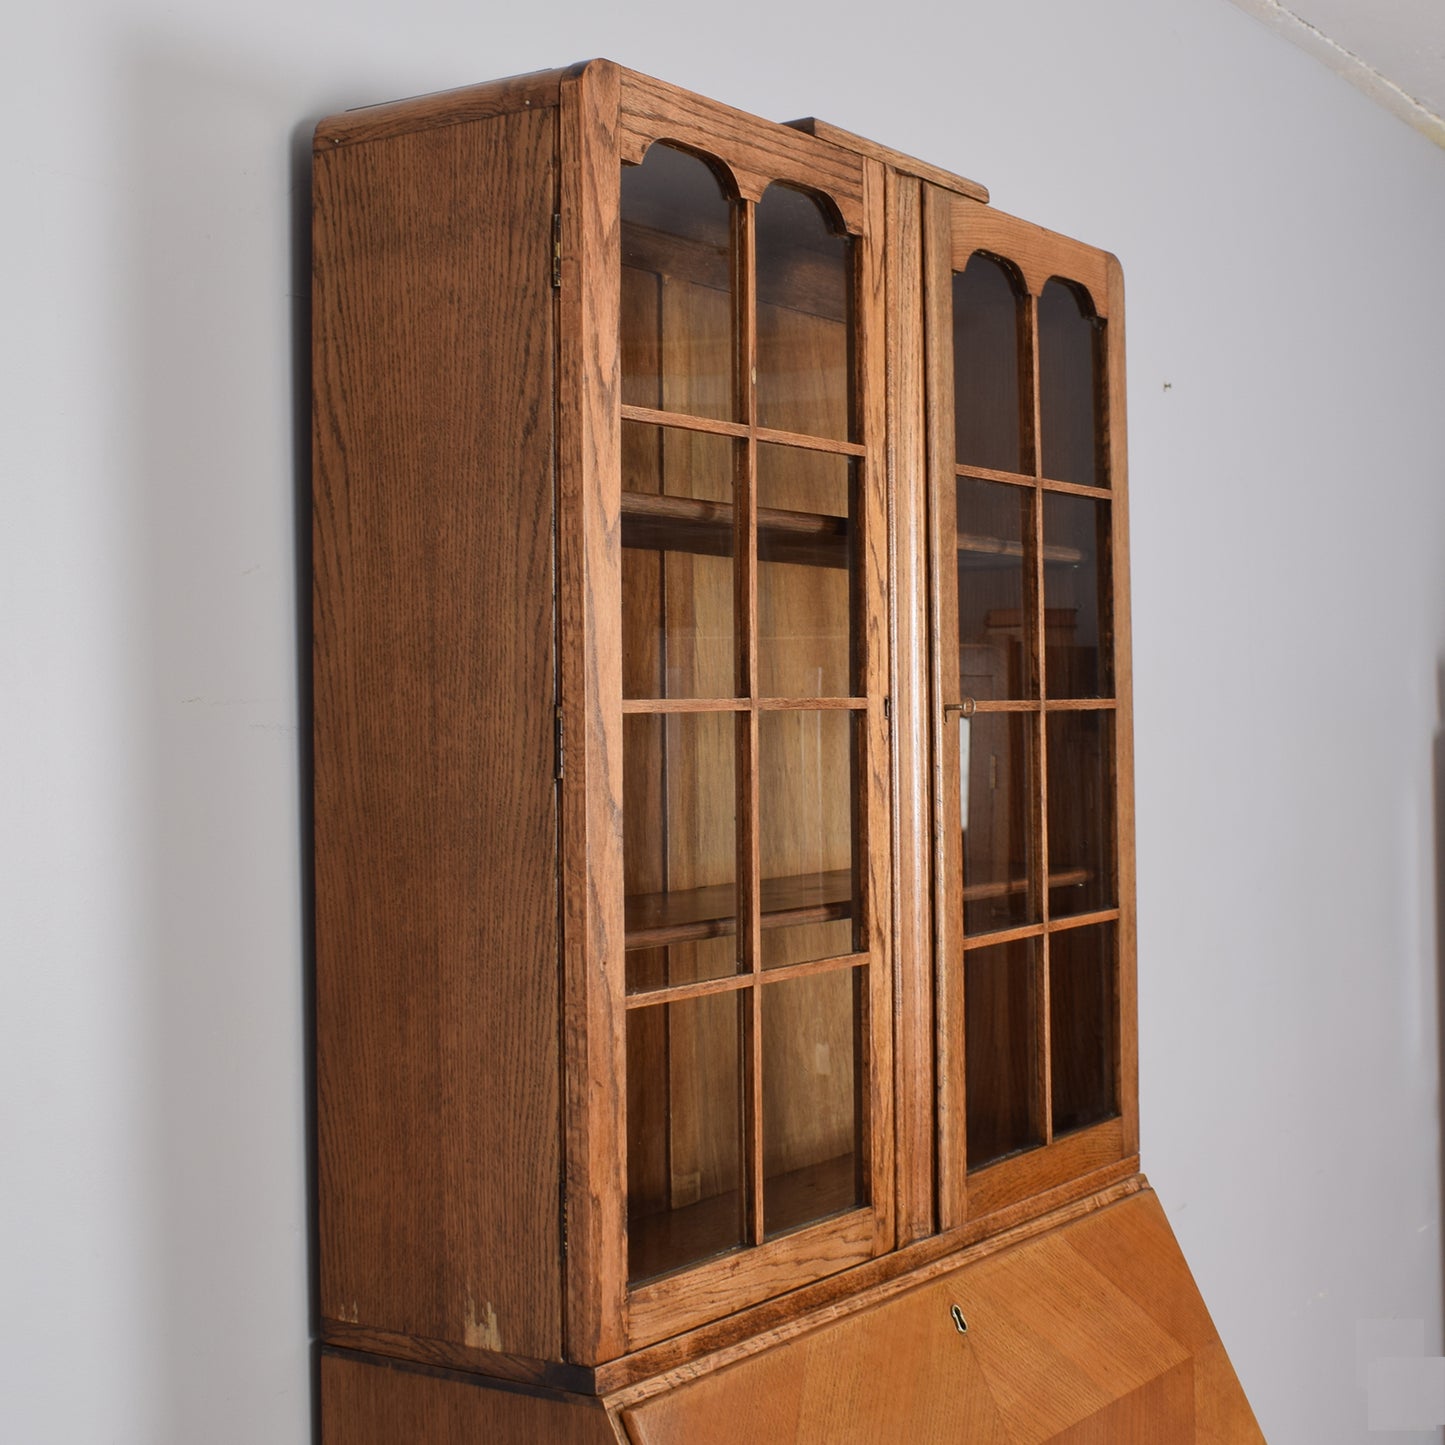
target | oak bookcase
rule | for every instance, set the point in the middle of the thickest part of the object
(724, 853)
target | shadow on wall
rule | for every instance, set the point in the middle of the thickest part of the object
(212, 380)
(1438, 782)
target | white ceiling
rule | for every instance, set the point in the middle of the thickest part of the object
(1393, 50)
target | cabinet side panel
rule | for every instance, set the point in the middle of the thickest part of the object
(365, 1403)
(436, 837)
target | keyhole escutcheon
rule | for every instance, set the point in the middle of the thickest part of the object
(959, 1323)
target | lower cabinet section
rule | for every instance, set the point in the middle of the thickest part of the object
(1091, 1333)
(368, 1402)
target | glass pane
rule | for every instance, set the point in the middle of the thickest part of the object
(1069, 371)
(996, 805)
(805, 506)
(1078, 632)
(1082, 1009)
(677, 563)
(987, 396)
(1081, 812)
(1001, 1062)
(812, 1124)
(684, 1132)
(677, 307)
(805, 326)
(807, 779)
(679, 805)
(995, 616)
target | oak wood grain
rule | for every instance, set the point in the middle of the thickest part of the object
(537, 91)
(911, 735)
(754, 152)
(590, 601)
(897, 163)
(377, 1402)
(436, 844)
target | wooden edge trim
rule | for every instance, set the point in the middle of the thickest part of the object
(461, 1374)
(756, 152)
(996, 1186)
(589, 607)
(1039, 254)
(390, 1347)
(446, 107)
(908, 599)
(628, 1382)
(897, 160)
(1117, 432)
(670, 1306)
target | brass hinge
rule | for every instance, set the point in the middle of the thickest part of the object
(562, 1215)
(557, 250)
(559, 743)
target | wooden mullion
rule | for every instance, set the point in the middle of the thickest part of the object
(947, 849)
(871, 782)
(1042, 1103)
(913, 992)
(1004, 935)
(683, 421)
(1084, 920)
(750, 905)
(969, 471)
(1075, 489)
(834, 446)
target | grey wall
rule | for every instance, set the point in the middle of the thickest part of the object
(1281, 241)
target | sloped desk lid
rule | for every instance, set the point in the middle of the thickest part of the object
(1091, 1334)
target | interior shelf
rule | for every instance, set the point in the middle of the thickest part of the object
(688, 914)
(972, 545)
(656, 522)
(670, 1238)
(1007, 887)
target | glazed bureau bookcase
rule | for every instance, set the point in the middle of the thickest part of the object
(725, 963)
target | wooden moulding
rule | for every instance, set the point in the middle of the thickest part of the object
(908, 612)
(589, 600)
(904, 164)
(448, 107)
(756, 152)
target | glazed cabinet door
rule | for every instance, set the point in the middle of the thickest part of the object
(1031, 722)
(734, 980)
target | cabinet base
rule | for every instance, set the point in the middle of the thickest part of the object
(1093, 1331)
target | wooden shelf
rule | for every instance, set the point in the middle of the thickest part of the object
(975, 546)
(671, 1238)
(686, 915)
(1007, 887)
(661, 523)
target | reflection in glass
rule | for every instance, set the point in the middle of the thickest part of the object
(807, 780)
(678, 607)
(684, 1132)
(805, 317)
(1081, 812)
(1082, 1039)
(1001, 1064)
(1070, 342)
(1078, 642)
(812, 1123)
(805, 605)
(995, 546)
(987, 395)
(677, 309)
(679, 805)
(995, 773)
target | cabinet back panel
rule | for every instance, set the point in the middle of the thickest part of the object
(436, 838)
